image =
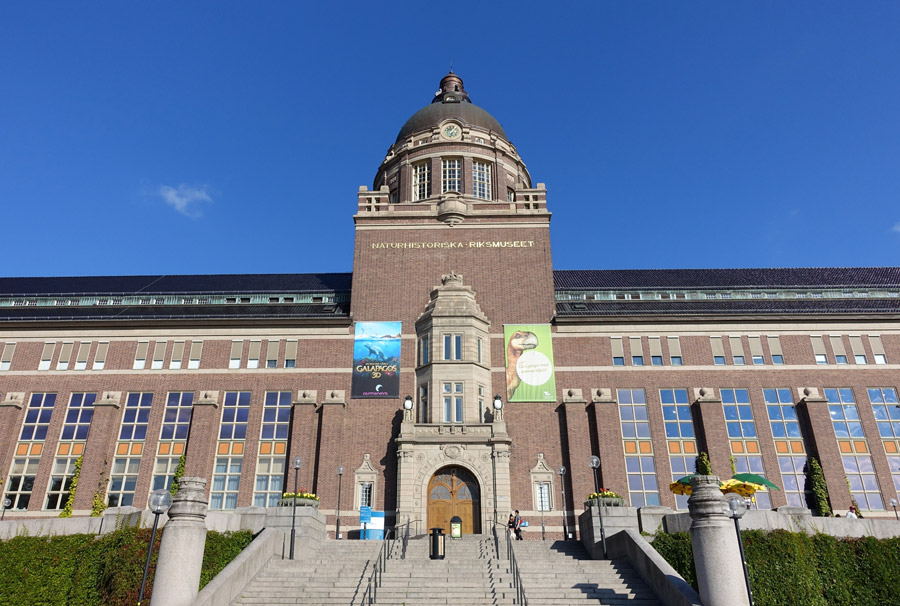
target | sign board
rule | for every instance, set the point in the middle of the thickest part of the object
(374, 530)
(365, 515)
(376, 360)
(529, 363)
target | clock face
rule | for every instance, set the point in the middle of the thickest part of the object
(451, 131)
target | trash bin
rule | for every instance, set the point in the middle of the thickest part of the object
(455, 527)
(437, 544)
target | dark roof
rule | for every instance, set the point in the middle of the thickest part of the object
(165, 284)
(318, 311)
(811, 277)
(729, 307)
(431, 115)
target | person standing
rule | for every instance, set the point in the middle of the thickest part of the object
(517, 525)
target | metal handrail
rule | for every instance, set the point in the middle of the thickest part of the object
(513, 565)
(370, 596)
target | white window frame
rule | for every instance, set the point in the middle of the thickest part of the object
(481, 179)
(421, 180)
(451, 175)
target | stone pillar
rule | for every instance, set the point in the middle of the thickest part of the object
(331, 415)
(579, 451)
(177, 578)
(717, 557)
(713, 431)
(10, 416)
(99, 449)
(201, 446)
(304, 427)
(813, 411)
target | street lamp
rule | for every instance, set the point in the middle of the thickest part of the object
(337, 532)
(735, 508)
(562, 487)
(160, 500)
(297, 464)
(498, 413)
(7, 503)
(594, 462)
(893, 503)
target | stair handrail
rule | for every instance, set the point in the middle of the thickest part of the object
(370, 596)
(514, 568)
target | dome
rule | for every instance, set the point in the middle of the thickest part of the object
(451, 101)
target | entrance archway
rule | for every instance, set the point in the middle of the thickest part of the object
(454, 491)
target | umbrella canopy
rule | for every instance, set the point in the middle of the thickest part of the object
(683, 485)
(745, 489)
(755, 479)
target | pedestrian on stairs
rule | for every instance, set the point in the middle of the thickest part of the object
(517, 525)
(511, 525)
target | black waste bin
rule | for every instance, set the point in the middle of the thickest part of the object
(437, 544)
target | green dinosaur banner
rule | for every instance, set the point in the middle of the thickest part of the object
(529, 363)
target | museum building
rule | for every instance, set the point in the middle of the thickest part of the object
(504, 369)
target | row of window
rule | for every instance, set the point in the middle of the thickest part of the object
(451, 178)
(452, 349)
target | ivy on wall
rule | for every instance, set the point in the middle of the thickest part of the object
(70, 502)
(179, 473)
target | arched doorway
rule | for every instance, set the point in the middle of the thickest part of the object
(454, 491)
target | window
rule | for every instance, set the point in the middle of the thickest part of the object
(788, 444)
(46, 356)
(140, 356)
(618, 361)
(758, 361)
(543, 496)
(37, 417)
(481, 392)
(859, 352)
(159, 355)
(136, 417)
(676, 360)
(510, 195)
(880, 359)
(177, 355)
(78, 417)
(21, 482)
(738, 360)
(453, 347)
(777, 359)
(234, 360)
(656, 360)
(253, 356)
(164, 472)
(618, 351)
(65, 353)
(860, 359)
(844, 414)
(479, 350)
(177, 418)
(81, 358)
(235, 412)
(840, 359)
(60, 482)
(676, 413)
(719, 360)
(887, 411)
(877, 349)
(821, 359)
(123, 481)
(481, 178)
(453, 402)
(196, 351)
(863, 482)
(737, 350)
(894, 464)
(421, 180)
(269, 481)
(100, 356)
(643, 489)
(365, 494)
(276, 415)
(633, 413)
(451, 175)
(637, 360)
(226, 483)
(793, 477)
(272, 354)
(738, 415)
(290, 354)
(674, 351)
(424, 353)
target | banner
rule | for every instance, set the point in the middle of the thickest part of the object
(376, 360)
(529, 363)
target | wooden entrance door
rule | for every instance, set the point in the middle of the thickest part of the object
(453, 491)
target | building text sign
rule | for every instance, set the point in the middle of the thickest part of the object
(470, 244)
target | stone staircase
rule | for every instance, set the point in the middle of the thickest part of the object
(471, 574)
(561, 573)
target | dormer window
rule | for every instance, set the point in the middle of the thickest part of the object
(451, 175)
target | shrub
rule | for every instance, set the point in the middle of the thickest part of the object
(703, 466)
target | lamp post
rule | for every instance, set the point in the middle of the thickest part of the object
(337, 532)
(297, 463)
(893, 503)
(562, 487)
(160, 500)
(498, 415)
(594, 462)
(7, 503)
(735, 508)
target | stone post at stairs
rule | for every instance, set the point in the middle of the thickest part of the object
(177, 579)
(717, 557)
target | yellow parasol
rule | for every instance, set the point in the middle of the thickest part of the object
(744, 489)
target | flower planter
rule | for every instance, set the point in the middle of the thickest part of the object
(605, 502)
(301, 502)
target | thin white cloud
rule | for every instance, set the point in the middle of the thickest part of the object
(186, 199)
(896, 228)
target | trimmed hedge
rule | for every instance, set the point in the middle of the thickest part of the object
(795, 569)
(88, 570)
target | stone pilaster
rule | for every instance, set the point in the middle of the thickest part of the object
(331, 416)
(821, 441)
(609, 439)
(717, 557)
(304, 426)
(177, 579)
(201, 446)
(578, 441)
(98, 451)
(713, 436)
(10, 416)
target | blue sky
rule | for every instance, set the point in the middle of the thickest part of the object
(231, 137)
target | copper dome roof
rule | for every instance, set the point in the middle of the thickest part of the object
(451, 101)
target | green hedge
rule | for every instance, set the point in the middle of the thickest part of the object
(795, 569)
(87, 570)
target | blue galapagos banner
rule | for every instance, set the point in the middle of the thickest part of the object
(529, 363)
(376, 360)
